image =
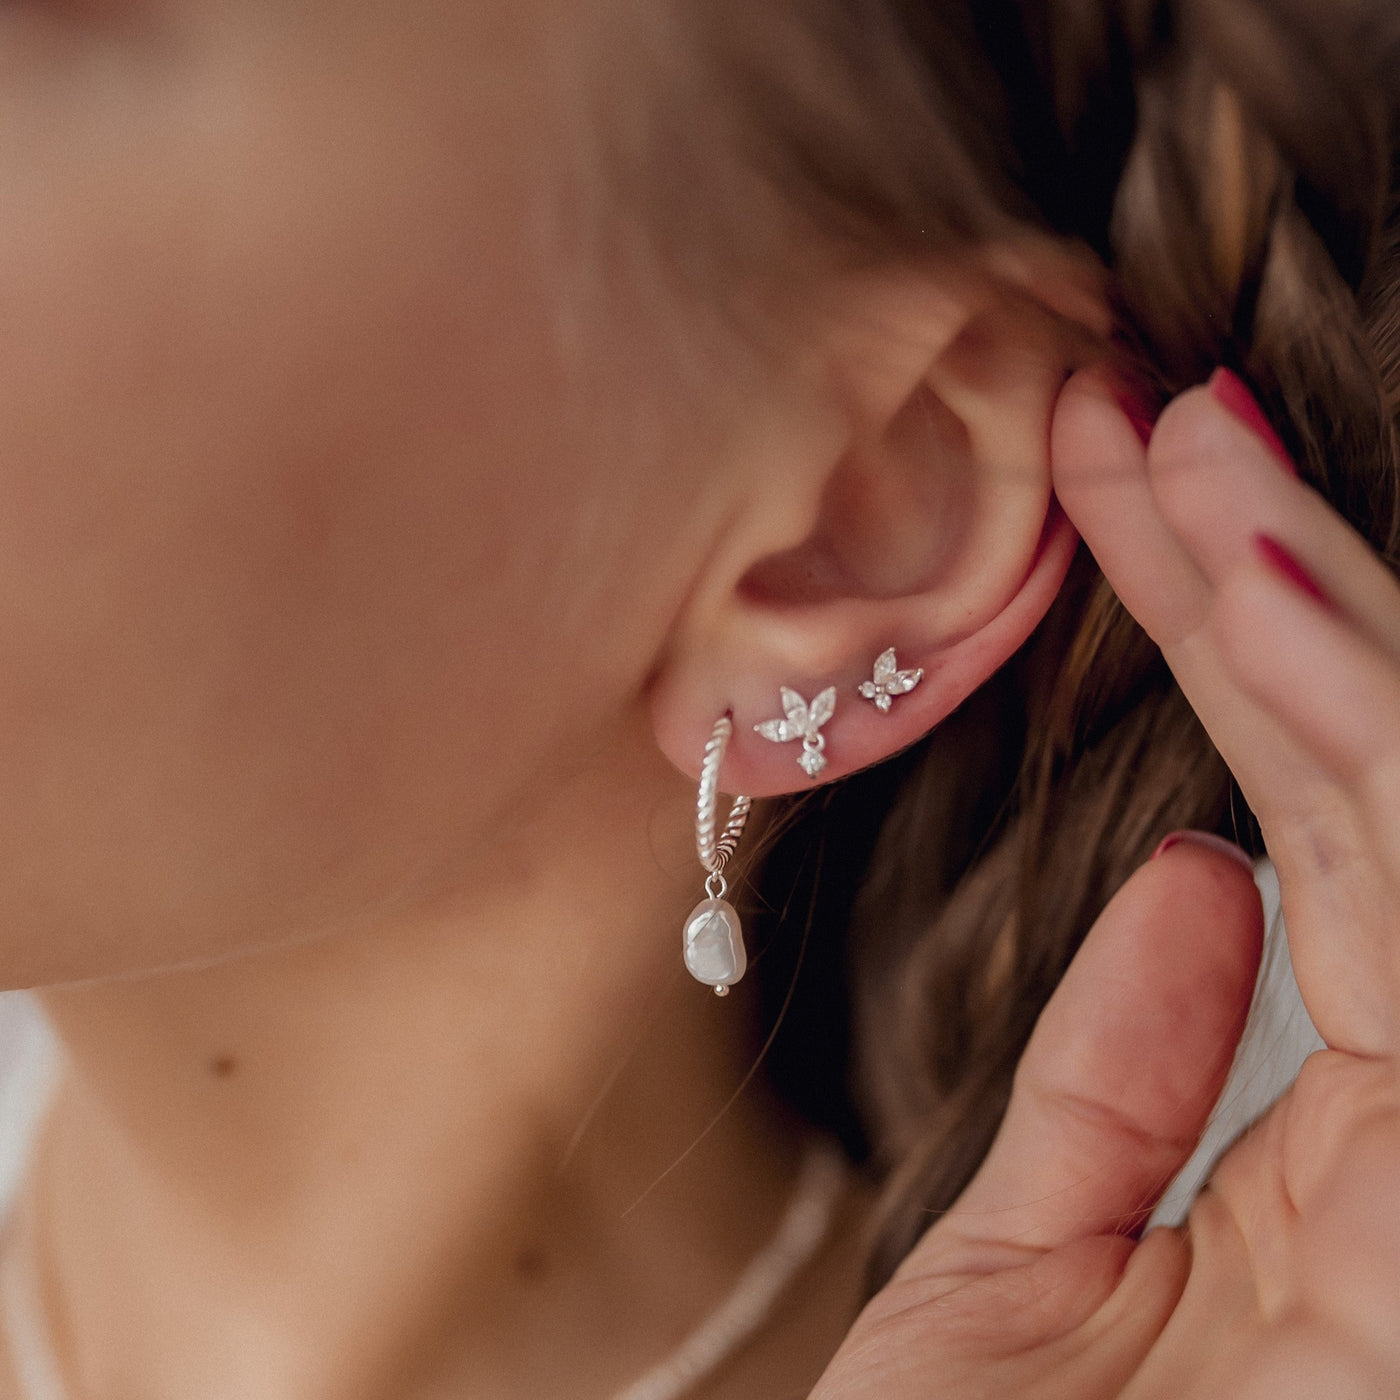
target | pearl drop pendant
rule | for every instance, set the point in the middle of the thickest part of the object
(714, 945)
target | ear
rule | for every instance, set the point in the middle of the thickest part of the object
(931, 528)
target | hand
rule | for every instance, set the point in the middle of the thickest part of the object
(1285, 1282)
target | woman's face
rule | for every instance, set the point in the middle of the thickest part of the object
(348, 479)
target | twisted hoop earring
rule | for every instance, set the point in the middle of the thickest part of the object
(713, 939)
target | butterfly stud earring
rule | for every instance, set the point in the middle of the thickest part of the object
(802, 721)
(889, 681)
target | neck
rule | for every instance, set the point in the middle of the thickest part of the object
(353, 1167)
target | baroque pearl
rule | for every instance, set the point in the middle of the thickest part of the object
(714, 945)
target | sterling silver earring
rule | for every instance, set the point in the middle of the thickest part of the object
(802, 721)
(713, 938)
(889, 681)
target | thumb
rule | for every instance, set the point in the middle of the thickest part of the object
(1120, 1074)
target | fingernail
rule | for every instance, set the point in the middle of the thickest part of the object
(1204, 839)
(1231, 393)
(1283, 562)
(1137, 408)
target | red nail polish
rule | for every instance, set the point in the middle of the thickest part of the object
(1232, 394)
(1137, 408)
(1283, 562)
(1209, 842)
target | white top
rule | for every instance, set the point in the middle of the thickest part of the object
(30, 1057)
(1277, 1039)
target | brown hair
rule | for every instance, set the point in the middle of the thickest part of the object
(1234, 164)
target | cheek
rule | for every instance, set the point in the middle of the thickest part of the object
(308, 554)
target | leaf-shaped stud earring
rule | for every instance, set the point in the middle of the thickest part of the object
(803, 721)
(889, 681)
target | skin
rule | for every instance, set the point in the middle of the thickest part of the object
(327, 705)
(377, 548)
(356, 554)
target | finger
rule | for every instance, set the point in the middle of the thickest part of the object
(1335, 836)
(1101, 479)
(1121, 1071)
(1168, 525)
(1221, 486)
(1099, 468)
(1318, 790)
(1336, 692)
(1218, 485)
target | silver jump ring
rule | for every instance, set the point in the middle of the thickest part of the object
(715, 854)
